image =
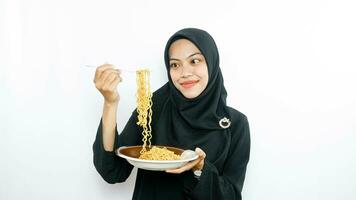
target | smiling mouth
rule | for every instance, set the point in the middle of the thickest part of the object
(188, 84)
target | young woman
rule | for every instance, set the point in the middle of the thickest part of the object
(189, 112)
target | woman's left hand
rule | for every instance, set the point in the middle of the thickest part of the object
(197, 164)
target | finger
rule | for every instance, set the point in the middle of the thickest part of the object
(110, 78)
(180, 170)
(185, 167)
(107, 73)
(99, 70)
(202, 156)
(200, 152)
(102, 80)
(107, 85)
(114, 84)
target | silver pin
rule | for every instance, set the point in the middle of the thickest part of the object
(224, 122)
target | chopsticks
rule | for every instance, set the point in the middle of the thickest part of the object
(119, 68)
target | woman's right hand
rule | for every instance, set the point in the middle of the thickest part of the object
(106, 80)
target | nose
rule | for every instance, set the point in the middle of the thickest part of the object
(186, 70)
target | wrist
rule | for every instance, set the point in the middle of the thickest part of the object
(111, 103)
(197, 171)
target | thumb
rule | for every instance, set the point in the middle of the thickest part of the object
(200, 153)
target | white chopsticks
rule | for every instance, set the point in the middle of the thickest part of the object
(119, 68)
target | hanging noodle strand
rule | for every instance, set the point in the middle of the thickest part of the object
(144, 119)
(144, 106)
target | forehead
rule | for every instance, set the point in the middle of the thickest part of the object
(182, 48)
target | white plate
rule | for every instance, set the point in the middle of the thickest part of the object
(131, 155)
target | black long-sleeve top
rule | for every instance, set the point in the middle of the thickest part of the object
(222, 176)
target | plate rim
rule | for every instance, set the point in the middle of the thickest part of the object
(154, 161)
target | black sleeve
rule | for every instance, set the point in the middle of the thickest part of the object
(228, 184)
(111, 167)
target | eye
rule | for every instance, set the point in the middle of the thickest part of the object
(195, 61)
(173, 65)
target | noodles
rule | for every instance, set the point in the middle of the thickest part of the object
(144, 110)
(144, 106)
(157, 153)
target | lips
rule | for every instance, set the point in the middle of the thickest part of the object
(188, 84)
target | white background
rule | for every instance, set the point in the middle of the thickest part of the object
(290, 66)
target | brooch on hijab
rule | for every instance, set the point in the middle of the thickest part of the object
(224, 122)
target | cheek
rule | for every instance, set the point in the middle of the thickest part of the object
(205, 82)
(173, 75)
(203, 73)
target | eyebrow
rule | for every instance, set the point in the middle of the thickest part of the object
(187, 57)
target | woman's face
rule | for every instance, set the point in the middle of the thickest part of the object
(188, 69)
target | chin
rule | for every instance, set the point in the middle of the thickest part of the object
(190, 95)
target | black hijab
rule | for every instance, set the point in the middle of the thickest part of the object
(182, 117)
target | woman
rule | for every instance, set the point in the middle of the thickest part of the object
(189, 112)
